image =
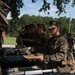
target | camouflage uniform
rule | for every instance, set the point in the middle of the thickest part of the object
(29, 36)
(57, 50)
(40, 38)
(56, 53)
(40, 43)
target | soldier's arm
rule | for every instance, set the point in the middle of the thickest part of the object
(59, 56)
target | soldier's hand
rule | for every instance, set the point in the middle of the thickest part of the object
(40, 57)
(31, 49)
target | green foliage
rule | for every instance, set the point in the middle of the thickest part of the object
(39, 19)
(45, 6)
(10, 40)
(64, 24)
(33, 19)
(24, 20)
(16, 5)
(16, 26)
(73, 26)
(65, 29)
(60, 4)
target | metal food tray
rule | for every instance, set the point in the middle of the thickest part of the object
(23, 70)
(33, 72)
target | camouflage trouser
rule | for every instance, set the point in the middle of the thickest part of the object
(72, 68)
(67, 69)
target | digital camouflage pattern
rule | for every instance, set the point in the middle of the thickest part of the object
(56, 53)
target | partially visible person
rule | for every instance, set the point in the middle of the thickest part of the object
(19, 37)
(40, 38)
(41, 28)
(71, 53)
(28, 37)
(70, 39)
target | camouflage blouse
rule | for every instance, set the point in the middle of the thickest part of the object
(56, 49)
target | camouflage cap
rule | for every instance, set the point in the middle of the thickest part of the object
(53, 24)
(41, 25)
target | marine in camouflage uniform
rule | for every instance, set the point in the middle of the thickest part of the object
(56, 53)
(56, 50)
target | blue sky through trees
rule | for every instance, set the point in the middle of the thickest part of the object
(33, 9)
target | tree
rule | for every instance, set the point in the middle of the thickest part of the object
(64, 24)
(47, 19)
(15, 6)
(46, 22)
(33, 19)
(24, 20)
(60, 4)
(39, 19)
(73, 26)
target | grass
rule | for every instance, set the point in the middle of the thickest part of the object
(10, 40)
